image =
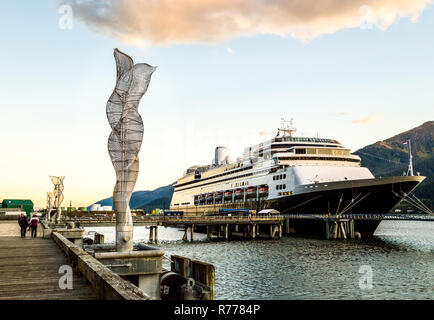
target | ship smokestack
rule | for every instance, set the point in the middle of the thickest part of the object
(221, 154)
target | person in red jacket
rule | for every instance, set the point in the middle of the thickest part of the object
(34, 225)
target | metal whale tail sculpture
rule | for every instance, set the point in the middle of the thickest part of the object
(125, 140)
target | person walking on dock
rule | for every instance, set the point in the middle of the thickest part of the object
(34, 225)
(22, 221)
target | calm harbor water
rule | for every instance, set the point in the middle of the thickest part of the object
(401, 258)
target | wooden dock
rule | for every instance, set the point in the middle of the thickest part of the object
(29, 270)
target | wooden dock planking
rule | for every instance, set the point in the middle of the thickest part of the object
(29, 270)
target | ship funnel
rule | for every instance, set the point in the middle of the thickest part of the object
(221, 154)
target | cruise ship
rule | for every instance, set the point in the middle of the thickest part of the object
(293, 175)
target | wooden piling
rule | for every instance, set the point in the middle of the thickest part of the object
(185, 233)
(343, 230)
(151, 234)
(208, 232)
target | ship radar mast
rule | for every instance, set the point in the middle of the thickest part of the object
(286, 129)
(410, 163)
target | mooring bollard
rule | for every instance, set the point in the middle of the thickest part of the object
(99, 238)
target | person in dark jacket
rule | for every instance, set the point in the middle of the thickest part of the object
(34, 225)
(22, 221)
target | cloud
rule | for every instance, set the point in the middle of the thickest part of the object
(164, 22)
(265, 133)
(369, 120)
(229, 50)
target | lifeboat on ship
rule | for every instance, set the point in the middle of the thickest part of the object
(251, 192)
(202, 198)
(239, 193)
(228, 194)
(218, 195)
(263, 191)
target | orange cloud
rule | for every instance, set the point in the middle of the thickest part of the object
(265, 133)
(164, 22)
(369, 120)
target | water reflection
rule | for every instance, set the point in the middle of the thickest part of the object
(401, 257)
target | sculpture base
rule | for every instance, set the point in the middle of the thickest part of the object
(142, 268)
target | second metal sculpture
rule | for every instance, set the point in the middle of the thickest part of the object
(125, 140)
(50, 199)
(58, 193)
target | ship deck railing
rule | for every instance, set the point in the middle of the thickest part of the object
(203, 219)
(359, 216)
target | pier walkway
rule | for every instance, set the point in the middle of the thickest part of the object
(29, 270)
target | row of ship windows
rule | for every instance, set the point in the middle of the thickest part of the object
(239, 184)
(281, 186)
(215, 176)
(185, 203)
(317, 158)
(231, 178)
(279, 177)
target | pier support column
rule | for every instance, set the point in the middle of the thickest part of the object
(254, 231)
(227, 232)
(151, 234)
(245, 231)
(334, 230)
(191, 232)
(257, 230)
(287, 226)
(343, 230)
(156, 234)
(271, 232)
(339, 229)
(280, 231)
(185, 237)
(208, 232)
(351, 222)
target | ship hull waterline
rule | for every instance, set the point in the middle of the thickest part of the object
(363, 196)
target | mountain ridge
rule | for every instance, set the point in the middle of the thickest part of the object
(390, 157)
